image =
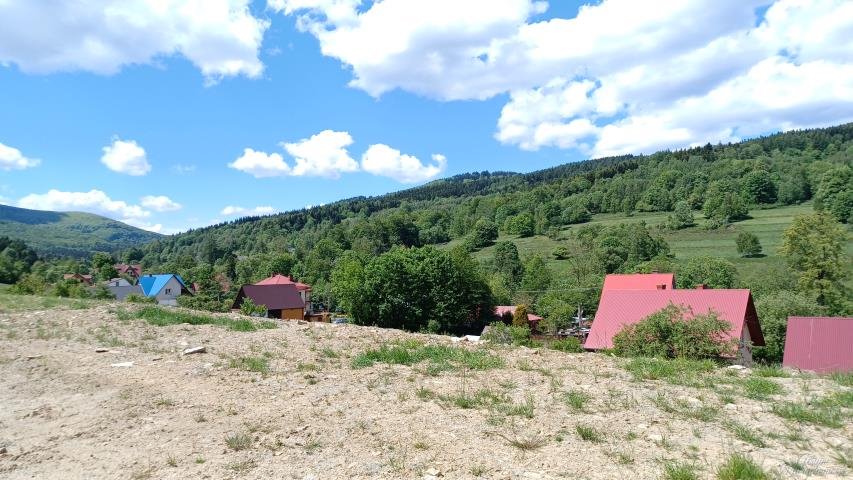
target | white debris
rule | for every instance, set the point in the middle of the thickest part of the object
(122, 364)
(189, 351)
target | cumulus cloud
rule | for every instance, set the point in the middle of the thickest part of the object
(322, 155)
(261, 164)
(220, 37)
(160, 203)
(126, 157)
(325, 155)
(93, 201)
(12, 159)
(595, 82)
(151, 227)
(233, 211)
(383, 160)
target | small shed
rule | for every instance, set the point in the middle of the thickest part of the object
(619, 308)
(282, 300)
(819, 344)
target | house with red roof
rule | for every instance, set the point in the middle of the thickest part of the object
(133, 271)
(819, 344)
(84, 279)
(282, 300)
(502, 312)
(625, 301)
(303, 289)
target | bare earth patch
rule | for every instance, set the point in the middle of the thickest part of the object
(306, 401)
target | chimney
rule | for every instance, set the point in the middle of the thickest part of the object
(661, 286)
(701, 286)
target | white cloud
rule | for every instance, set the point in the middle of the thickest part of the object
(261, 164)
(595, 82)
(220, 37)
(232, 211)
(323, 155)
(151, 227)
(126, 157)
(93, 201)
(383, 160)
(160, 203)
(12, 159)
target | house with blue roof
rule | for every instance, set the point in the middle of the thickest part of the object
(166, 288)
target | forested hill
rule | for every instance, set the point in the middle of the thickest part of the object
(69, 234)
(719, 183)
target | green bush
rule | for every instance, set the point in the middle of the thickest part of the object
(502, 333)
(102, 293)
(29, 284)
(668, 333)
(70, 289)
(250, 308)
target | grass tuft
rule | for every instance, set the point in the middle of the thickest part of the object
(251, 364)
(589, 434)
(741, 467)
(678, 371)
(760, 388)
(680, 471)
(577, 399)
(238, 441)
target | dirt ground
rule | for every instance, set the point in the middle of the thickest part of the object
(66, 411)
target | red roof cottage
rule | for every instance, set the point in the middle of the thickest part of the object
(819, 344)
(627, 301)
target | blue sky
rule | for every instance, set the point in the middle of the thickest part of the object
(146, 115)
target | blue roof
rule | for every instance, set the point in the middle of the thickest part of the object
(152, 284)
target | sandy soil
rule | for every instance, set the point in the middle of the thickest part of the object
(66, 412)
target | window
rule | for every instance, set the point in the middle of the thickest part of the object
(168, 291)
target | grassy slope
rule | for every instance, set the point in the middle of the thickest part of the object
(72, 234)
(767, 224)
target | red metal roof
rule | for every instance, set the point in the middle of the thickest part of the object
(283, 280)
(618, 308)
(639, 281)
(502, 310)
(820, 344)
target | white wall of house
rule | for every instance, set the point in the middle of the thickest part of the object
(168, 295)
(122, 291)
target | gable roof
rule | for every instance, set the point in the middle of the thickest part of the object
(274, 297)
(152, 284)
(283, 280)
(820, 344)
(639, 281)
(619, 308)
(132, 270)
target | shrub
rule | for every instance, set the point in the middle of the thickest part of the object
(519, 318)
(29, 284)
(102, 293)
(502, 333)
(669, 334)
(251, 309)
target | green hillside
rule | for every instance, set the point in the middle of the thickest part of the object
(72, 234)
(767, 224)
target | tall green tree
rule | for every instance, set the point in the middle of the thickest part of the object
(835, 193)
(711, 271)
(747, 244)
(507, 263)
(813, 246)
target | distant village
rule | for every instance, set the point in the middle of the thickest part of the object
(819, 344)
